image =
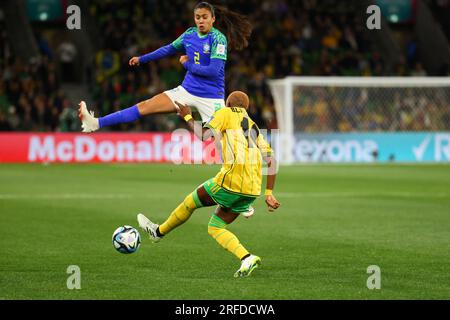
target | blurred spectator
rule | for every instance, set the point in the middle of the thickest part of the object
(107, 64)
(411, 52)
(68, 118)
(418, 70)
(67, 56)
(4, 123)
(43, 45)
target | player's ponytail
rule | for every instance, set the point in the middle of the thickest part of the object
(235, 26)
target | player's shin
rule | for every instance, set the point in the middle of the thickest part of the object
(123, 116)
(181, 214)
(225, 238)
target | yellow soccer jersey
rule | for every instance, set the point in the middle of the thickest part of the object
(242, 150)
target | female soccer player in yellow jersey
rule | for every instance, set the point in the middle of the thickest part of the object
(235, 187)
(204, 52)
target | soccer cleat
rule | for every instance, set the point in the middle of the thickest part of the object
(148, 227)
(247, 266)
(88, 122)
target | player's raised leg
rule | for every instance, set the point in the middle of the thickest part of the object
(227, 240)
(160, 103)
(197, 199)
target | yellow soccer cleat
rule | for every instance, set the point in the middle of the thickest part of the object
(247, 266)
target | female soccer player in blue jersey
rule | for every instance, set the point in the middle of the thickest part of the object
(204, 51)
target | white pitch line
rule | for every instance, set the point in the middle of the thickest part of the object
(62, 196)
(81, 196)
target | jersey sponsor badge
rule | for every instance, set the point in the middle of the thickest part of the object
(221, 49)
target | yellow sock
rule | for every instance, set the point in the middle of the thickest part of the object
(181, 214)
(216, 229)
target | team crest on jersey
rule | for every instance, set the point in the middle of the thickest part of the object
(206, 48)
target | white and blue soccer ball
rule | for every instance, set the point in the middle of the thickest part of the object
(126, 239)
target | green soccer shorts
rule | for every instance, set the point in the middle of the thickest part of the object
(238, 203)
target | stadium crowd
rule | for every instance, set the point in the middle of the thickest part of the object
(31, 98)
(303, 38)
(371, 109)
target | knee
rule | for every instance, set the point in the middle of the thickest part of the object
(212, 231)
(192, 202)
(189, 203)
(216, 226)
(144, 107)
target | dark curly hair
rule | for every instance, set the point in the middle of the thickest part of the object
(236, 26)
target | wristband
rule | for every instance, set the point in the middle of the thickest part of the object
(268, 192)
(187, 117)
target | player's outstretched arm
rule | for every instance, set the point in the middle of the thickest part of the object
(271, 201)
(185, 112)
(267, 154)
(160, 53)
(168, 50)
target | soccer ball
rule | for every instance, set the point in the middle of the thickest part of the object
(126, 239)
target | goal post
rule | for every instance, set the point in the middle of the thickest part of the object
(359, 106)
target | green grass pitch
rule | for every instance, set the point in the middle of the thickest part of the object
(334, 221)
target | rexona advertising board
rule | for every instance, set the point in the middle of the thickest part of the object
(373, 147)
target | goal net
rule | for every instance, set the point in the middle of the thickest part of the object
(361, 119)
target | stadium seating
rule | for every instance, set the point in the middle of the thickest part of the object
(304, 38)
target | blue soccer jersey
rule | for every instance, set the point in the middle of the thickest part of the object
(207, 54)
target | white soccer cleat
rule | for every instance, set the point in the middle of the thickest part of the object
(88, 122)
(247, 266)
(148, 227)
